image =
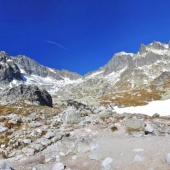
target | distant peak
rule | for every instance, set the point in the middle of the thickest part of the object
(158, 45)
(142, 49)
(3, 52)
(123, 53)
(155, 45)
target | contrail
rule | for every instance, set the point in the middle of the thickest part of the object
(59, 45)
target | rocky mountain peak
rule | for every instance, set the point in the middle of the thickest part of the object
(118, 62)
(4, 56)
(142, 49)
(8, 69)
(157, 45)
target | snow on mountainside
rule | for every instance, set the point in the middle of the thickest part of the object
(21, 69)
(127, 79)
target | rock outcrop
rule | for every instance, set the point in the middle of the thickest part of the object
(27, 93)
(8, 69)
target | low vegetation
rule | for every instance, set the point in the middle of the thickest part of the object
(132, 98)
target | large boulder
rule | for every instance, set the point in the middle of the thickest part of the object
(71, 116)
(134, 124)
(28, 93)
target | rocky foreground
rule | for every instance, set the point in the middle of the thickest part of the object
(80, 137)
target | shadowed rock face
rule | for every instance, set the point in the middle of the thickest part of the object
(8, 69)
(117, 63)
(32, 67)
(29, 94)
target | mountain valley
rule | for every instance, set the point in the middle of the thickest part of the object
(55, 120)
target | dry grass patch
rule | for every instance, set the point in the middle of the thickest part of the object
(132, 98)
(24, 109)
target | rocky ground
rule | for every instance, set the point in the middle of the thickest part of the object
(80, 137)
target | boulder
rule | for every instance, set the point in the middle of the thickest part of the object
(58, 166)
(148, 129)
(38, 147)
(156, 115)
(28, 151)
(134, 124)
(107, 163)
(46, 142)
(49, 135)
(71, 116)
(56, 138)
(29, 93)
(94, 156)
(27, 141)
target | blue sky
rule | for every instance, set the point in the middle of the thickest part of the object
(80, 35)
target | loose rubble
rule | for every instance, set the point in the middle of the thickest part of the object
(73, 139)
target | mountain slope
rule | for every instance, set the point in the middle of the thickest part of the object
(21, 69)
(127, 79)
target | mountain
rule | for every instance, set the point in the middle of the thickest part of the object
(127, 79)
(21, 69)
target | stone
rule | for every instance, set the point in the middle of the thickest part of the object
(159, 123)
(15, 120)
(83, 146)
(46, 142)
(4, 166)
(156, 115)
(71, 116)
(27, 141)
(137, 134)
(38, 147)
(56, 138)
(134, 124)
(148, 129)
(3, 129)
(39, 131)
(28, 151)
(34, 168)
(107, 161)
(49, 135)
(138, 158)
(58, 166)
(34, 124)
(108, 167)
(167, 157)
(68, 143)
(94, 156)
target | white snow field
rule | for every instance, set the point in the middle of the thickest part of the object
(161, 107)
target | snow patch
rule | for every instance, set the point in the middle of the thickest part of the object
(161, 107)
(94, 74)
(114, 76)
(52, 70)
(124, 53)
